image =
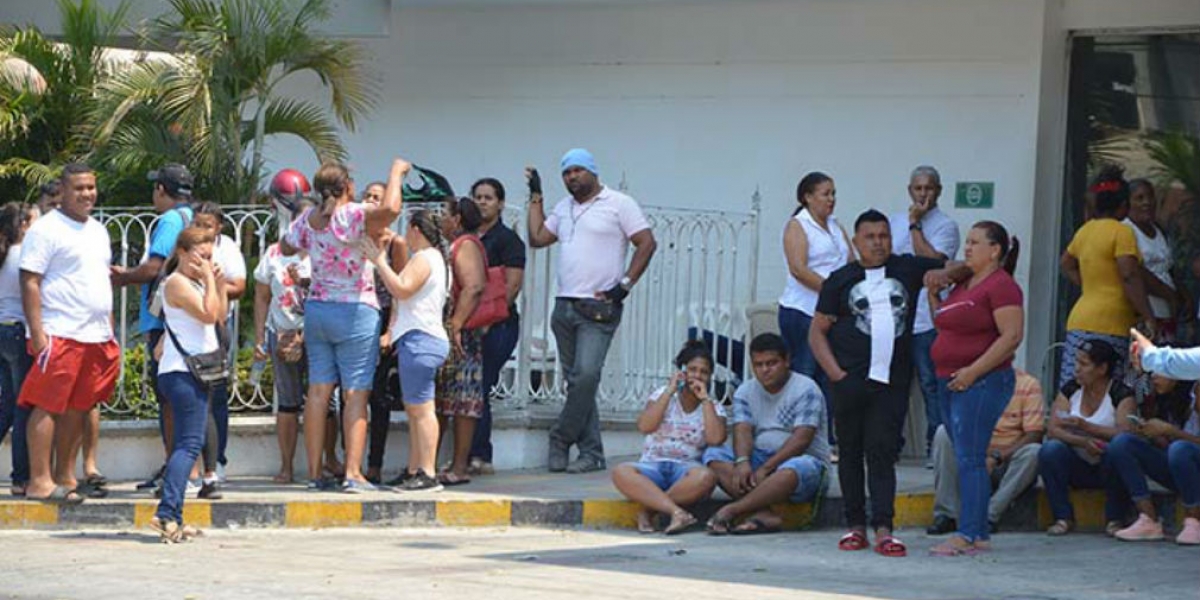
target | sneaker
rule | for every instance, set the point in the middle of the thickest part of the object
(209, 491)
(929, 463)
(193, 487)
(221, 474)
(400, 479)
(154, 479)
(354, 486)
(321, 485)
(1190, 535)
(420, 482)
(942, 525)
(1144, 529)
(586, 465)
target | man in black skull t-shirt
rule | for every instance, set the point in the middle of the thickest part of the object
(862, 337)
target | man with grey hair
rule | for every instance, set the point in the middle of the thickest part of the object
(924, 230)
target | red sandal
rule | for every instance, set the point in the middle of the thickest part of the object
(891, 547)
(855, 540)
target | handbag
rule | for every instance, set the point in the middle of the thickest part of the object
(493, 303)
(208, 368)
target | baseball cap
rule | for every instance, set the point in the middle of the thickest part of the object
(175, 177)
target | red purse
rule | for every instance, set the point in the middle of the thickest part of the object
(493, 304)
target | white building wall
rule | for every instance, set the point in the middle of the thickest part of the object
(697, 105)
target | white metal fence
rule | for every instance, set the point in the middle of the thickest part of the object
(701, 279)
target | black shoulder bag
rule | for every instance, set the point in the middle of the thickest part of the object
(209, 368)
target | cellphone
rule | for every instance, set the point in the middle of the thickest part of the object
(1135, 420)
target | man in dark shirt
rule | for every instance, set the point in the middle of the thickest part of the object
(504, 248)
(862, 338)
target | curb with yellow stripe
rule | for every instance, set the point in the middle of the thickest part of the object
(1031, 512)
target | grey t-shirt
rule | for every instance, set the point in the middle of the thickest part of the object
(774, 416)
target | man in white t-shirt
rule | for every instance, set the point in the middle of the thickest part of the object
(594, 227)
(924, 230)
(67, 297)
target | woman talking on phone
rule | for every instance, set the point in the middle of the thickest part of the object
(194, 305)
(680, 421)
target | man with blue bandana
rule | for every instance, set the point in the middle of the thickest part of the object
(594, 226)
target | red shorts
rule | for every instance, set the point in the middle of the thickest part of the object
(71, 375)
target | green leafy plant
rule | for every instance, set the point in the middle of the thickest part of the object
(219, 97)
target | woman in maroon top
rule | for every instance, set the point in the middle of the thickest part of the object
(980, 325)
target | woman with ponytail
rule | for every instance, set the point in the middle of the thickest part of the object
(341, 315)
(419, 294)
(980, 324)
(814, 245)
(15, 219)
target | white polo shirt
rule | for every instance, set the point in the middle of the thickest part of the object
(73, 259)
(942, 233)
(593, 239)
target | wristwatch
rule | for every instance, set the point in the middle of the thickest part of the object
(626, 283)
(914, 226)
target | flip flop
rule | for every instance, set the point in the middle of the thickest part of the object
(853, 541)
(948, 549)
(96, 480)
(94, 492)
(717, 525)
(759, 527)
(891, 547)
(449, 479)
(685, 523)
(60, 495)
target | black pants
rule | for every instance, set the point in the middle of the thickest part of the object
(868, 416)
(385, 397)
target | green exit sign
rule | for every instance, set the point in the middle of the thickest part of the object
(974, 194)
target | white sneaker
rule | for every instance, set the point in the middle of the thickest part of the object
(193, 488)
(221, 473)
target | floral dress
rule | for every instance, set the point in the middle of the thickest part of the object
(460, 381)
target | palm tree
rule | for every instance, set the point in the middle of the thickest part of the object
(219, 94)
(46, 91)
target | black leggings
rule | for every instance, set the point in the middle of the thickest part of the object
(868, 418)
(384, 395)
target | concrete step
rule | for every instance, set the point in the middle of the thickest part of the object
(533, 498)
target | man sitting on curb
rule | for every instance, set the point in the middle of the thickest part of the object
(1012, 457)
(780, 447)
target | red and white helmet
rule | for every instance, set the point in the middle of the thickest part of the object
(288, 187)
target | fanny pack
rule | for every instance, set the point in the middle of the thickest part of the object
(208, 368)
(598, 311)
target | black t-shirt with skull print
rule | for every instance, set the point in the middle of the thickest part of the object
(844, 297)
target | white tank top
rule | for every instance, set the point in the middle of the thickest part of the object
(423, 310)
(1105, 415)
(827, 252)
(194, 336)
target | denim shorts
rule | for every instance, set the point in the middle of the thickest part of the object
(419, 356)
(665, 473)
(289, 377)
(809, 470)
(342, 343)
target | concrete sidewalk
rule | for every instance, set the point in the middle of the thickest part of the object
(518, 498)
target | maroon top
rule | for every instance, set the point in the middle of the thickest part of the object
(965, 324)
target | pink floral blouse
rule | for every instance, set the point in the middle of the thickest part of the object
(339, 271)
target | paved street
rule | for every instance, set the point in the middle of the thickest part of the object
(531, 563)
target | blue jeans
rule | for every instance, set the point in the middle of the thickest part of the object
(582, 348)
(809, 470)
(341, 340)
(973, 415)
(189, 404)
(1184, 460)
(665, 473)
(498, 345)
(928, 382)
(14, 365)
(1134, 458)
(1061, 468)
(793, 327)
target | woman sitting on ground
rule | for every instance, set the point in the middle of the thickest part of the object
(1087, 414)
(1164, 445)
(679, 421)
